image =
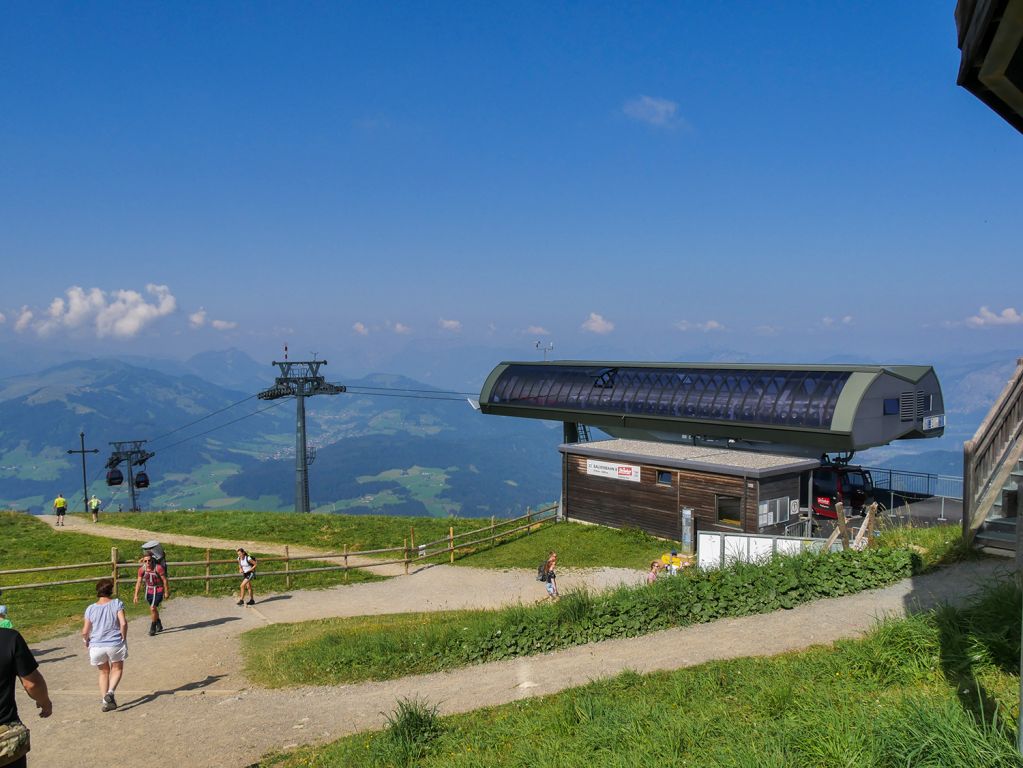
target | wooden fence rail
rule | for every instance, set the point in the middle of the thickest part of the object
(447, 546)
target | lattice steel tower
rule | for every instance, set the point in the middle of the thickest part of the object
(300, 380)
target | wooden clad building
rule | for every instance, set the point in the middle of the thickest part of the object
(659, 487)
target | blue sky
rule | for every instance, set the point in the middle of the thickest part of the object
(651, 180)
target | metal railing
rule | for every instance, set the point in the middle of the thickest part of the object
(923, 485)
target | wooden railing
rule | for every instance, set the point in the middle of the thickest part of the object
(440, 549)
(984, 456)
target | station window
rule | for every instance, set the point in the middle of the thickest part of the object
(663, 477)
(729, 509)
(891, 406)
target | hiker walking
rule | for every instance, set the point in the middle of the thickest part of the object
(550, 577)
(247, 568)
(60, 508)
(105, 634)
(5, 623)
(17, 662)
(94, 506)
(154, 577)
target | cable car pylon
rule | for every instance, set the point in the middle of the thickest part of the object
(132, 454)
(300, 380)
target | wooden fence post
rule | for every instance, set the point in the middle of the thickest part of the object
(451, 543)
(529, 520)
(207, 570)
(492, 533)
(412, 537)
(287, 567)
(346, 563)
(405, 555)
(844, 531)
(113, 566)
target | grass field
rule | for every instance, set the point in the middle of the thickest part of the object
(578, 546)
(44, 612)
(933, 691)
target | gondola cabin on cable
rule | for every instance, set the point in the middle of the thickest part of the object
(114, 477)
(141, 480)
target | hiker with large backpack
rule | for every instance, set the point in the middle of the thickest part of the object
(154, 576)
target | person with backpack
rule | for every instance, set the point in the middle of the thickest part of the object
(247, 568)
(94, 507)
(545, 573)
(154, 577)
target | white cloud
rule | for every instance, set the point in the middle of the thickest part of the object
(709, 325)
(537, 330)
(224, 325)
(402, 328)
(198, 318)
(450, 325)
(597, 324)
(121, 313)
(658, 112)
(767, 330)
(986, 318)
(128, 312)
(361, 329)
(3, 318)
(831, 322)
(24, 319)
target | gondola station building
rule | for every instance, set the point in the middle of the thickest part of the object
(710, 446)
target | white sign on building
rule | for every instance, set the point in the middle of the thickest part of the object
(612, 469)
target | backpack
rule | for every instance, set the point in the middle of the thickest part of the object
(541, 571)
(155, 551)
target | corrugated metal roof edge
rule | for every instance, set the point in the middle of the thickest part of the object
(909, 372)
(796, 465)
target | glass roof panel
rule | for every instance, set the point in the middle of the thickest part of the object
(798, 398)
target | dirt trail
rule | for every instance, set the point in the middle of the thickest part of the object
(185, 695)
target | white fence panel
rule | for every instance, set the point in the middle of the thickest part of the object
(715, 549)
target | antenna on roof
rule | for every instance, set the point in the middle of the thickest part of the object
(548, 348)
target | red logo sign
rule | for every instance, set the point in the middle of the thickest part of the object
(823, 501)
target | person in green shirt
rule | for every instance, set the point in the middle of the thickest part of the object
(94, 505)
(5, 623)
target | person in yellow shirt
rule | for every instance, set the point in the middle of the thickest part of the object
(60, 507)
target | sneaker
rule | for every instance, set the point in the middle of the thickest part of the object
(251, 602)
(241, 602)
(159, 626)
(109, 702)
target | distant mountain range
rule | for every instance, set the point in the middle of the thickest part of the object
(382, 447)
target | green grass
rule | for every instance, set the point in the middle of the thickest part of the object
(336, 651)
(578, 546)
(936, 545)
(931, 691)
(26, 542)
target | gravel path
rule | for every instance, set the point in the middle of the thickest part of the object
(184, 694)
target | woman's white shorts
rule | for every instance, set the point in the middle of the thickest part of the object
(103, 654)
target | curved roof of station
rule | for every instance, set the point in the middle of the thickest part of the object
(801, 405)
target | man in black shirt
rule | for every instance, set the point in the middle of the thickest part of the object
(16, 660)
